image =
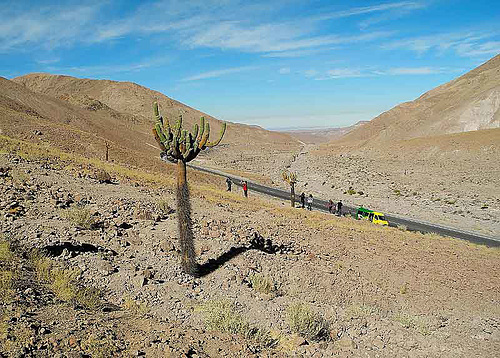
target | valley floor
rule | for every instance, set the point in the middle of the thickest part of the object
(450, 190)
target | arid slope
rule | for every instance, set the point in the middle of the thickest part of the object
(470, 102)
(136, 100)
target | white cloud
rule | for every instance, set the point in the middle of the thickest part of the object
(109, 68)
(413, 71)
(490, 48)
(466, 44)
(284, 71)
(47, 27)
(370, 72)
(406, 5)
(219, 73)
(343, 73)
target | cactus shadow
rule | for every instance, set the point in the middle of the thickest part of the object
(257, 243)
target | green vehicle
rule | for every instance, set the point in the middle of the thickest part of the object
(370, 215)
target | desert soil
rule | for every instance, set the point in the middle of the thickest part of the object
(384, 292)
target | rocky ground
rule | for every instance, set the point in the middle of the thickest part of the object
(91, 269)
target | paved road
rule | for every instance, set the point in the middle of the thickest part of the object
(393, 219)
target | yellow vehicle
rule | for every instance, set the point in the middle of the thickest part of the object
(373, 216)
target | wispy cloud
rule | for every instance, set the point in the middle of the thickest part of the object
(229, 24)
(485, 49)
(108, 68)
(284, 71)
(219, 73)
(403, 5)
(466, 44)
(413, 71)
(345, 73)
(371, 72)
(47, 27)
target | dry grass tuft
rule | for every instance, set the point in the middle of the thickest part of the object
(308, 324)
(135, 307)
(64, 282)
(221, 316)
(80, 217)
(410, 321)
(262, 284)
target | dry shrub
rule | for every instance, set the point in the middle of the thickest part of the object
(221, 316)
(64, 282)
(135, 307)
(308, 324)
(103, 176)
(163, 208)
(262, 284)
(6, 291)
(409, 321)
(5, 252)
(80, 217)
(6, 273)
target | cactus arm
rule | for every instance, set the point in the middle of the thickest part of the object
(158, 140)
(188, 141)
(284, 174)
(159, 132)
(178, 128)
(166, 127)
(221, 134)
(204, 139)
(184, 135)
(195, 131)
(157, 113)
(202, 128)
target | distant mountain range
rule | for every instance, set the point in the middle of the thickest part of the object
(320, 135)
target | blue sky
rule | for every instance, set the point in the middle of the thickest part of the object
(277, 64)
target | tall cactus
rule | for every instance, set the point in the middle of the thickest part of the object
(291, 179)
(181, 146)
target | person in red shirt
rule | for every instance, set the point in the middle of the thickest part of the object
(245, 188)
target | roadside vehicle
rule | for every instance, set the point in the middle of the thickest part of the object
(370, 215)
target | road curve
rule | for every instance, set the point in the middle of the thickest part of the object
(393, 219)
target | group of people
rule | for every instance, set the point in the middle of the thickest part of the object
(244, 185)
(332, 207)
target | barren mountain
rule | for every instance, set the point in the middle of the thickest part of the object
(321, 135)
(136, 101)
(470, 102)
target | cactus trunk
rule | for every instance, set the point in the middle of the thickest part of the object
(292, 194)
(186, 237)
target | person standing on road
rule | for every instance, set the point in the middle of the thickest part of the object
(330, 206)
(339, 208)
(303, 200)
(310, 202)
(229, 183)
(245, 188)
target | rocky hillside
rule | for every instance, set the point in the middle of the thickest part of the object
(470, 102)
(136, 101)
